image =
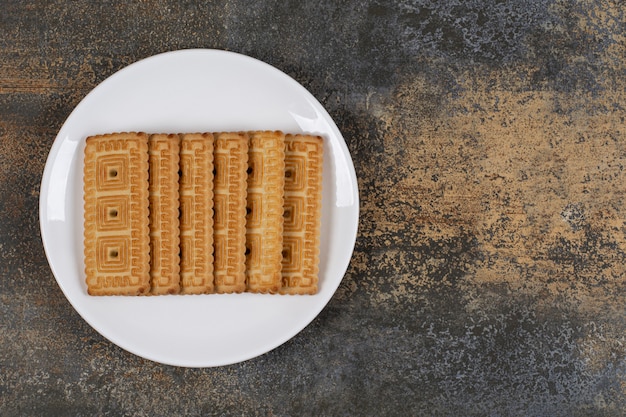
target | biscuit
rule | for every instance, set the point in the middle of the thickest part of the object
(116, 245)
(302, 213)
(163, 153)
(196, 213)
(230, 185)
(264, 221)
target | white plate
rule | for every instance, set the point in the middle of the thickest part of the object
(195, 90)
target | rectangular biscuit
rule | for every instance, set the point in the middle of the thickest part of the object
(264, 221)
(164, 158)
(116, 245)
(196, 213)
(230, 186)
(302, 212)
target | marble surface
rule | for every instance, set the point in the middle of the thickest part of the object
(489, 273)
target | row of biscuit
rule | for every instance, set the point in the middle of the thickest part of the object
(201, 213)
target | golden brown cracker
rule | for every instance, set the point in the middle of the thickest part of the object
(196, 213)
(302, 214)
(116, 245)
(164, 158)
(230, 185)
(264, 221)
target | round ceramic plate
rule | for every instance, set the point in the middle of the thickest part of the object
(189, 91)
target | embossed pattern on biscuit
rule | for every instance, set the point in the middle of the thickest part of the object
(116, 235)
(264, 221)
(164, 223)
(302, 212)
(196, 213)
(230, 189)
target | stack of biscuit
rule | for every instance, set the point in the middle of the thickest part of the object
(202, 213)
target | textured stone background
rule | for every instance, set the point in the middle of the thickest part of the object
(489, 274)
